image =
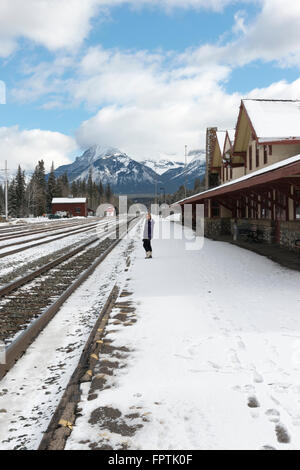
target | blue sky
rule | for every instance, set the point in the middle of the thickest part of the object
(147, 80)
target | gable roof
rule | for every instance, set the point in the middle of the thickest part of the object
(274, 120)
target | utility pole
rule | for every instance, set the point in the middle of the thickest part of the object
(6, 190)
(185, 165)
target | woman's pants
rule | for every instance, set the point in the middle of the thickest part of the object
(147, 245)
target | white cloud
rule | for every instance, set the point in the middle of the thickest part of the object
(274, 35)
(54, 24)
(281, 90)
(149, 108)
(155, 103)
(65, 24)
(2, 92)
(26, 147)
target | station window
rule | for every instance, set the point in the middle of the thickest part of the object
(250, 157)
(270, 150)
(78, 210)
(215, 209)
(257, 156)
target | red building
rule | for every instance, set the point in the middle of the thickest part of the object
(76, 207)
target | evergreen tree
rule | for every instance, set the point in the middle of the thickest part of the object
(83, 190)
(197, 184)
(20, 193)
(37, 191)
(90, 188)
(12, 199)
(74, 189)
(51, 189)
(65, 185)
(2, 200)
(108, 193)
(101, 192)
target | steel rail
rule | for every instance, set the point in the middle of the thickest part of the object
(39, 226)
(73, 230)
(21, 281)
(69, 234)
(35, 232)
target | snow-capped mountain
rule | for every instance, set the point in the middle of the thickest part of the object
(110, 165)
(128, 176)
(195, 168)
(162, 166)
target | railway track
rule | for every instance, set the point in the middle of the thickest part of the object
(28, 304)
(35, 226)
(58, 236)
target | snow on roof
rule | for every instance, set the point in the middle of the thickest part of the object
(274, 120)
(267, 169)
(221, 136)
(69, 200)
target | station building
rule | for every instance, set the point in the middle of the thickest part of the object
(253, 174)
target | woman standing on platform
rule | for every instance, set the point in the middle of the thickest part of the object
(148, 235)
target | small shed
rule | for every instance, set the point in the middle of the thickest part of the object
(76, 207)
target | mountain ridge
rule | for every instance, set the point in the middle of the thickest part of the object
(129, 176)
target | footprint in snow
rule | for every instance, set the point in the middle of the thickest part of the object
(234, 358)
(248, 389)
(241, 343)
(214, 365)
(282, 434)
(257, 378)
(296, 421)
(180, 356)
(253, 402)
(254, 406)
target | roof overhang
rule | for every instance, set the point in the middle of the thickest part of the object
(274, 176)
(284, 141)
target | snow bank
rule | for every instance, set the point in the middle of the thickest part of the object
(215, 353)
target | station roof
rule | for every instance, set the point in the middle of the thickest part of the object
(283, 169)
(274, 120)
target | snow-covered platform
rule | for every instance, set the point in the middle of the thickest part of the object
(206, 357)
